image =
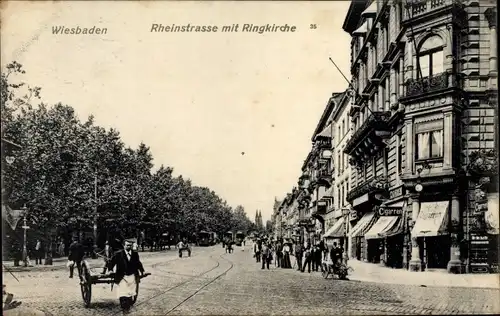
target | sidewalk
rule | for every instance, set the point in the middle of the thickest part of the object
(60, 263)
(371, 272)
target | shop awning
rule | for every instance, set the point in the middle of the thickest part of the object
(382, 226)
(362, 225)
(336, 231)
(431, 220)
(491, 215)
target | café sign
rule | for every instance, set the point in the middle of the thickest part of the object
(390, 211)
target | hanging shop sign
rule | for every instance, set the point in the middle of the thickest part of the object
(390, 211)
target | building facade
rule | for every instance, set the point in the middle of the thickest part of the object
(424, 180)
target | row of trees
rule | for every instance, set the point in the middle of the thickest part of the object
(64, 160)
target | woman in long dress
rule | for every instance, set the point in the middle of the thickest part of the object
(286, 263)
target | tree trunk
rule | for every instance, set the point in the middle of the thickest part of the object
(48, 252)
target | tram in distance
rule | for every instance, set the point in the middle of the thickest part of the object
(206, 238)
(239, 238)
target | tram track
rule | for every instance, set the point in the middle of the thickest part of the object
(191, 278)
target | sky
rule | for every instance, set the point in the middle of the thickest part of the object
(233, 111)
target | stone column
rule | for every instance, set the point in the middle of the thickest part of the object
(415, 262)
(409, 70)
(448, 53)
(455, 265)
(448, 140)
(409, 146)
(401, 80)
(406, 233)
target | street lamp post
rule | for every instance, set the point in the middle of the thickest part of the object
(25, 228)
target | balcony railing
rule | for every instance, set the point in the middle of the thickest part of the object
(421, 7)
(378, 185)
(377, 121)
(323, 143)
(425, 85)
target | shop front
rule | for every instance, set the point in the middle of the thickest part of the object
(432, 235)
(336, 233)
(357, 235)
(385, 239)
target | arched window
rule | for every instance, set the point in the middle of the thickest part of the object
(431, 57)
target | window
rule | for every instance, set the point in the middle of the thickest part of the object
(339, 161)
(429, 140)
(343, 197)
(400, 154)
(431, 57)
(338, 196)
(386, 161)
(347, 187)
(430, 145)
(343, 127)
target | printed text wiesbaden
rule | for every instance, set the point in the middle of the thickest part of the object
(79, 30)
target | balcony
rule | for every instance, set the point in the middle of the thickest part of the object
(323, 143)
(420, 8)
(378, 187)
(368, 139)
(423, 86)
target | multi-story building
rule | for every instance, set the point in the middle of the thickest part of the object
(424, 114)
(342, 172)
(334, 196)
(317, 180)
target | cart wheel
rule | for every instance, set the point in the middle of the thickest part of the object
(86, 286)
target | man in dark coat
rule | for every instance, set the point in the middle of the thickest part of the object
(76, 254)
(128, 268)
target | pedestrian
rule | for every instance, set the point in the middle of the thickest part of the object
(318, 257)
(107, 257)
(299, 255)
(266, 254)
(307, 258)
(286, 264)
(335, 254)
(76, 254)
(258, 249)
(128, 268)
(279, 253)
(38, 252)
(61, 248)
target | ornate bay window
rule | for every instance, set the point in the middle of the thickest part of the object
(431, 57)
(429, 140)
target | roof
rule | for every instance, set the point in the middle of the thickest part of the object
(326, 132)
(371, 10)
(330, 105)
(362, 29)
(354, 15)
(341, 104)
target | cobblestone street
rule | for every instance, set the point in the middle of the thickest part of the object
(213, 282)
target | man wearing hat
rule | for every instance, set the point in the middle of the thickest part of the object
(76, 254)
(128, 267)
